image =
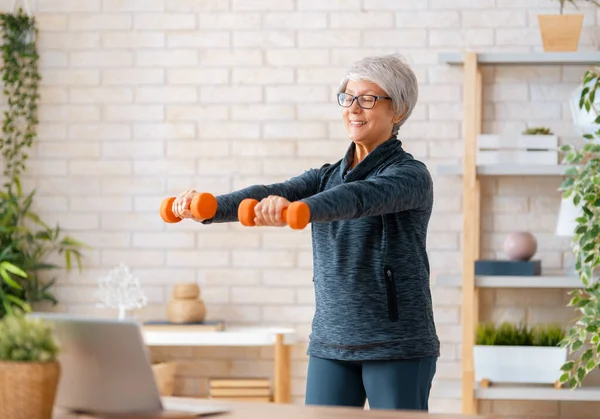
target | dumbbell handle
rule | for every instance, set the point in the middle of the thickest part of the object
(296, 215)
(203, 206)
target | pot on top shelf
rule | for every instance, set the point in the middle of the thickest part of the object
(560, 33)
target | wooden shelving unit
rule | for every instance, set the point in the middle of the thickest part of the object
(471, 173)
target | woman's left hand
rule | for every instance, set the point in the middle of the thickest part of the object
(268, 211)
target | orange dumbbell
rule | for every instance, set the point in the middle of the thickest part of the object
(204, 206)
(296, 215)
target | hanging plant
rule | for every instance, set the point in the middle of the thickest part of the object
(21, 80)
(25, 240)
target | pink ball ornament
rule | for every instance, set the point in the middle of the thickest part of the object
(520, 245)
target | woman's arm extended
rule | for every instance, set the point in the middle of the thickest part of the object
(400, 187)
(294, 189)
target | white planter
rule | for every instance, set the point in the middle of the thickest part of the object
(517, 149)
(518, 364)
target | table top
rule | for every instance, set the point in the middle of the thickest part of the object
(230, 336)
(248, 410)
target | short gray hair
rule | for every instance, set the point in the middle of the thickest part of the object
(393, 75)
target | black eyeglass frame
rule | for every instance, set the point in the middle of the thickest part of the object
(375, 97)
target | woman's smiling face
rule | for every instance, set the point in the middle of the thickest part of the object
(369, 127)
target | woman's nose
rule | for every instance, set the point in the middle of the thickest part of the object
(354, 108)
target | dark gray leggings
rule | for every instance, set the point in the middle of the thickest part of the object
(394, 384)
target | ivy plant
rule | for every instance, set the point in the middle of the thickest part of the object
(26, 241)
(582, 186)
(21, 78)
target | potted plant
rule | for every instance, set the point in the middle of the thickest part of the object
(29, 369)
(511, 353)
(541, 145)
(582, 187)
(535, 145)
(25, 240)
(561, 32)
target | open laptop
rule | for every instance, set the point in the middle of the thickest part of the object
(106, 368)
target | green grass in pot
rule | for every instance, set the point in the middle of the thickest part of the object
(511, 334)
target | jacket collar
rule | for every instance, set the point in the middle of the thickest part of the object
(375, 158)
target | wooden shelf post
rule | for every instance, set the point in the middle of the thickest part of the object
(281, 387)
(471, 226)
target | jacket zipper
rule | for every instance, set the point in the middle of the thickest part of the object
(392, 301)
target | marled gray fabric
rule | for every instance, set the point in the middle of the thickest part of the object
(371, 269)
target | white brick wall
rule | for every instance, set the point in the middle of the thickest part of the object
(144, 98)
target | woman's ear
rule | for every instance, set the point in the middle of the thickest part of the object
(398, 118)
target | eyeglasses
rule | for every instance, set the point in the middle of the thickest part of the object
(364, 101)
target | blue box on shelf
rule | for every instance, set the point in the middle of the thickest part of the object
(508, 267)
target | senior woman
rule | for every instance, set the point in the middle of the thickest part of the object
(373, 333)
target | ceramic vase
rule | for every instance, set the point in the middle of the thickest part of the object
(186, 306)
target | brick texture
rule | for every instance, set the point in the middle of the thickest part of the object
(142, 99)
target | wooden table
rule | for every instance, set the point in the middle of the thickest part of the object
(244, 410)
(280, 338)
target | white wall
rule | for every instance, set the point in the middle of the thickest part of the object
(143, 99)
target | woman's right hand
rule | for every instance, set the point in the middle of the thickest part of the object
(181, 205)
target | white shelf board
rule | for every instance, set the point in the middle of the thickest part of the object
(506, 170)
(492, 281)
(525, 58)
(538, 393)
(234, 336)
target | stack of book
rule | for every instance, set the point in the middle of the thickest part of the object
(167, 326)
(240, 389)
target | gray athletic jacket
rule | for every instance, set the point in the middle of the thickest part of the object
(371, 269)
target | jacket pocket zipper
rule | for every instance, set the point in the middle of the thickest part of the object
(392, 301)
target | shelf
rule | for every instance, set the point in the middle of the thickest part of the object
(538, 393)
(489, 281)
(525, 58)
(506, 170)
(243, 336)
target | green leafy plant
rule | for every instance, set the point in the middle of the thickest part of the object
(573, 2)
(8, 271)
(511, 334)
(538, 131)
(26, 242)
(582, 186)
(27, 339)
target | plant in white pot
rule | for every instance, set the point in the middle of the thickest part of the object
(511, 353)
(561, 32)
(29, 369)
